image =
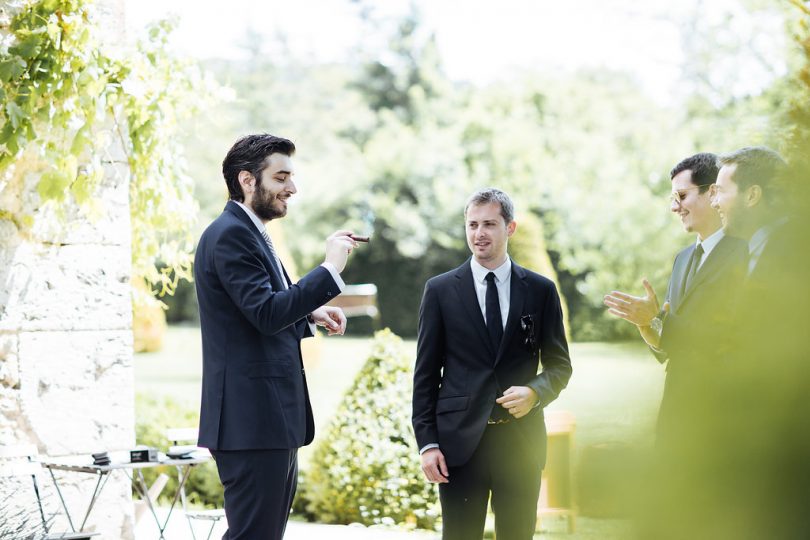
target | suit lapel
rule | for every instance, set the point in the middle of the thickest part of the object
(678, 275)
(714, 261)
(517, 295)
(286, 276)
(466, 293)
(275, 279)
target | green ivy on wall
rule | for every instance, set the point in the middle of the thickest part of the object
(66, 99)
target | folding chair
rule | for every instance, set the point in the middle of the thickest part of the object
(153, 493)
(21, 461)
(177, 436)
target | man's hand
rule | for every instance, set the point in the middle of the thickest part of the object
(331, 318)
(434, 467)
(639, 310)
(518, 400)
(338, 247)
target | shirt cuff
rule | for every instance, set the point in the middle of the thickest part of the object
(335, 275)
(428, 447)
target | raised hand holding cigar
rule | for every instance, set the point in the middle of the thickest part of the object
(339, 245)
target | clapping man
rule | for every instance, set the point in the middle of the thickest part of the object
(705, 276)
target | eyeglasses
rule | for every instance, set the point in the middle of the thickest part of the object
(678, 196)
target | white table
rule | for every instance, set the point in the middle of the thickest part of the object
(133, 471)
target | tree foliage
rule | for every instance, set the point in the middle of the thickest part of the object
(796, 119)
(390, 146)
(68, 100)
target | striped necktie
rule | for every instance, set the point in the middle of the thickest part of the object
(276, 260)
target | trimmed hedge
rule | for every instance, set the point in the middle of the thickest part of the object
(366, 469)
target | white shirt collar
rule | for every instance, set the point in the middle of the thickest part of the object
(501, 273)
(758, 240)
(711, 242)
(253, 217)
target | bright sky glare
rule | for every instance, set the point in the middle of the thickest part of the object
(479, 40)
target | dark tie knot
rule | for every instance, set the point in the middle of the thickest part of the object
(490, 277)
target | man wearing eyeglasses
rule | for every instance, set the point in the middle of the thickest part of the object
(484, 330)
(703, 279)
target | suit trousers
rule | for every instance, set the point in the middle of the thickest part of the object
(505, 465)
(259, 490)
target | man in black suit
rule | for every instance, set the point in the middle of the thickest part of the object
(255, 411)
(704, 278)
(478, 399)
(747, 198)
(759, 455)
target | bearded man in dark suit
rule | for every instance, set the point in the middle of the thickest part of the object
(255, 410)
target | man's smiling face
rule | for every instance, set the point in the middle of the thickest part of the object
(276, 187)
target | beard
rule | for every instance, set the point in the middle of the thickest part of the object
(263, 205)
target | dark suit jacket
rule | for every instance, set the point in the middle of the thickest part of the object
(254, 392)
(707, 301)
(693, 329)
(762, 422)
(458, 374)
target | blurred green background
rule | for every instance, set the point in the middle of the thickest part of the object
(390, 144)
(399, 111)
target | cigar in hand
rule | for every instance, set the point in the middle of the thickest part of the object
(358, 238)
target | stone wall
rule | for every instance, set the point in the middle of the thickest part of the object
(66, 375)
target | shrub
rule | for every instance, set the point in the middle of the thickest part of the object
(153, 417)
(527, 247)
(366, 468)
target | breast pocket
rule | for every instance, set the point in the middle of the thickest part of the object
(529, 330)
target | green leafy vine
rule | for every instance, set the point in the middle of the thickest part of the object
(66, 99)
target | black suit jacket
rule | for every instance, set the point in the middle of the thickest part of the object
(254, 392)
(692, 337)
(694, 314)
(458, 374)
(761, 421)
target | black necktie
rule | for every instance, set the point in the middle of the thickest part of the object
(493, 309)
(694, 263)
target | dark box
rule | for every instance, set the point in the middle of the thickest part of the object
(143, 455)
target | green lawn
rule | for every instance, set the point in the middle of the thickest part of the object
(614, 395)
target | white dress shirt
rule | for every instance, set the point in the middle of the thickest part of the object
(709, 244)
(756, 245)
(503, 279)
